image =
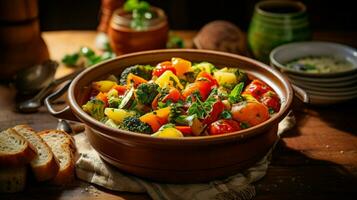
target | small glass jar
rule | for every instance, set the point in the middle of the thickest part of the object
(274, 23)
(124, 39)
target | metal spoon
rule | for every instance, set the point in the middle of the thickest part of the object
(32, 105)
(33, 79)
(63, 125)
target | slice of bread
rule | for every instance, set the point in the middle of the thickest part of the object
(44, 166)
(12, 179)
(62, 146)
(14, 149)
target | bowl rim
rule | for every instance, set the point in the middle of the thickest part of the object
(238, 135)
(258, 8)
(347, 78)
(282, 68)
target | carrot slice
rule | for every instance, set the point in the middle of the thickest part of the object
(134, 79)
(152, 120)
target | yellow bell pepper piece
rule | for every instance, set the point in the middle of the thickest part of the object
(168, 79)
(181, 65)
(103, 86)
(117, 115)
(168, 133)
(225, 77)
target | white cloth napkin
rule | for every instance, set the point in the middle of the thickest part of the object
(91, 168)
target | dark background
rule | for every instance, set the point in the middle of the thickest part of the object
(193, 14)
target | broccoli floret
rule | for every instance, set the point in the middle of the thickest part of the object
(144, 71)
(135, 125)
(175, 111)
(114, 102)
(190, 76)
(146, 93)
(204, 66)
(95, 108)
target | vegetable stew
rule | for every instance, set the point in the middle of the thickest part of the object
(177, 98)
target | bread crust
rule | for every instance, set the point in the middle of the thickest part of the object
(22, 157)
(65, 174)
(49, 169)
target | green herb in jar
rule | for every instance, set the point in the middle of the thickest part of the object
(140, 13)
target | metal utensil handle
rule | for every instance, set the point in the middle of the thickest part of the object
(68, 77)
(301, 94)
(65, 113)
(46, 90)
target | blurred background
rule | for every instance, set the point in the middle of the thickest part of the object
(193, 14)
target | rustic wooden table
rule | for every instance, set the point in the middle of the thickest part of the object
(315, 160)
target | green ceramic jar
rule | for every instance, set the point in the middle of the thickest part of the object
(275, 23)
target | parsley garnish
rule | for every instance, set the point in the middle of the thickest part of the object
(200, 108)
(235, 95)
(226, 115)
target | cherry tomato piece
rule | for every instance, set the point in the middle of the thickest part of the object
(121, 89)
(250, 112)
(202, 86)
(271, 100)
(162, 67)
(208, 76)
(174, 95)
(223, 126)
(257, 88)
(185, 130)
(217, 109)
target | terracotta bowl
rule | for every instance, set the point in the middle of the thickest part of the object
(184, 160)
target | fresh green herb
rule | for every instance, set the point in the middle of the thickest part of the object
(235, 95)
(174, 42)
(222, 92)
(210, 101)
(85, 57)
(70, 59)
(202, 109)
(244, 125)
(140, 12)
(175, 111)
(87, 52)
(226, 115)
(196, 106)
(181, 119)
(161, 104)
(271, 111)
(131, 5)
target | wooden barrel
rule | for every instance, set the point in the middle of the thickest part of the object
(18, 10)
(21, 44)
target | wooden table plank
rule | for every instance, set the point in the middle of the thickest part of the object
(315, 160)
